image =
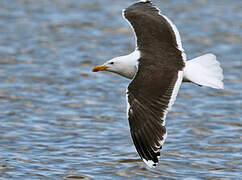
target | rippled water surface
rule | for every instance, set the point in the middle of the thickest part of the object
(61, 121)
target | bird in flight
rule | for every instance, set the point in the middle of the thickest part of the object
(157, 67)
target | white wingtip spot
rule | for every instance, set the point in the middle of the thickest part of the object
(150, 163)
(144, 1)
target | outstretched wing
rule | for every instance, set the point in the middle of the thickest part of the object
(157, 81)
(151, 27)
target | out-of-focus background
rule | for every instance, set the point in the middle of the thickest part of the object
(59, 120)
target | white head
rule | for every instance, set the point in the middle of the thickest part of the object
(124, 65)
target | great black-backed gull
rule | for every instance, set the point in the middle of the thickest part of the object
(157, 68)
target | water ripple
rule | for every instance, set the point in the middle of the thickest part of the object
(61, 121)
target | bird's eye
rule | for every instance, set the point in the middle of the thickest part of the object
(111, 63)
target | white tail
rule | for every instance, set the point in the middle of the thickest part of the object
(205, 71)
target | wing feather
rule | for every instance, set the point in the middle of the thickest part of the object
(155, 86)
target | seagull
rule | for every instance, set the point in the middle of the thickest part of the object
(157, 67)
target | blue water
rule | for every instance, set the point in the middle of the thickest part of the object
(59, 120)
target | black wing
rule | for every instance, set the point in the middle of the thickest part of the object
(151, 28)
(155, 86)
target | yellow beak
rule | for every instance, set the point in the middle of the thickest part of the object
(99, 68)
